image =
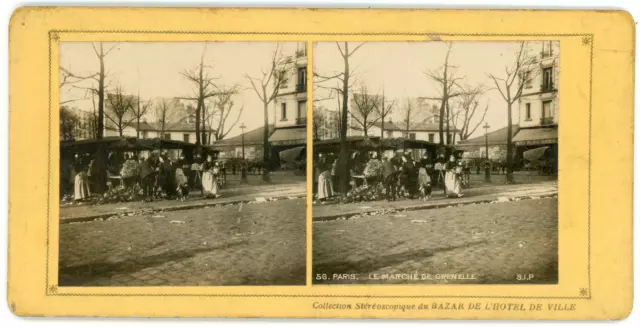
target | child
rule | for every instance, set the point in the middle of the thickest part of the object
(424, 183)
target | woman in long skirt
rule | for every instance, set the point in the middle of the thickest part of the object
(209, 182)
(325, 186)
(452, 175)
(81, 184)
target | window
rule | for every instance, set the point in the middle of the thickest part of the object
(185, 137)
(431, 137)
(283, 111)
(302, 109)
(412, 136)
(389, 134)
(144, 134)
(449, 138)
(167, 136)
(546, 49)
(526, 76)
(527, 111)
(547, 111)
(285, 79)
(547, 79)
(302, 80)
(302, 113)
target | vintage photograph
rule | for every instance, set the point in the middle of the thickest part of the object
(435, 162)
(182, 163)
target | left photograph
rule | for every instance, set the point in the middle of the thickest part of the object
(182, 163)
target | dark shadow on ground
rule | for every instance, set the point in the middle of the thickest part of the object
(84, 274)
(372, 264)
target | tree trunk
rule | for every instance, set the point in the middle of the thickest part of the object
(265, 145)
(342, 157)
(204, 128)
(441, 122)
(509, 145)
(138, 124)
(99, 171)
(382, 128)
(198, 125)
(448, 118)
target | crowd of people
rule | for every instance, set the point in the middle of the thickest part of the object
(157, 175)
(400, 175)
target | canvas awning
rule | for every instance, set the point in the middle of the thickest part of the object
(289, 136)
(536, 136)
(535, 154)
(294, 154)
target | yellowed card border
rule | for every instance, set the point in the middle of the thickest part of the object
(610, 130)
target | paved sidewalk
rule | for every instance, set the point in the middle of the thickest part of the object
(476, 195)
(249, 194)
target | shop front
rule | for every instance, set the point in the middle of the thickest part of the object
(537, 149)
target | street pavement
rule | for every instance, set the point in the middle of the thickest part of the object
(284, 185)
(249, 244)
(501, 243)
(479, 192)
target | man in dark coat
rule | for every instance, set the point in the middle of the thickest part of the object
(166, 170)
(147, 176)
(390, 178)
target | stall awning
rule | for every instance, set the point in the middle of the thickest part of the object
(293, 154)
(289, 136)
(536, 136)
(535, 154)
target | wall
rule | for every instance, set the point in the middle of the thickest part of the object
(533, 93)
(291, 95)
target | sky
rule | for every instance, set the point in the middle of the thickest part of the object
(400, 67)
(153, 69)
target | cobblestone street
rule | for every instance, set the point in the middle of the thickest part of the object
(250, 244)
(503, 243)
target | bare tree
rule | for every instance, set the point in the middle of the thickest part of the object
(224, 108)
(93, 118)
(447, 80)
(204, 89)
(319, 121)
(267, 88)
(407, 113)
(364, 109)
(68, 78)
(384, 109)
(467, 107)
(516, 76)
(120, 110)
(99, 174)
(165, 111)
(342, 77)
(68, 123)
(139, 111)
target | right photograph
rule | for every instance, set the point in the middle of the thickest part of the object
(435, 162)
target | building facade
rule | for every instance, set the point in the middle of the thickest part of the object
(290, 105)
(538, 105)
(539, 101)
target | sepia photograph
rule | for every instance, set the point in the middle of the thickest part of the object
(182, 163)
(435, 162)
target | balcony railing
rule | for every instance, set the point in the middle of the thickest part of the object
(301, 87)
(301, 121)
(548, 87)
(546, 121)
